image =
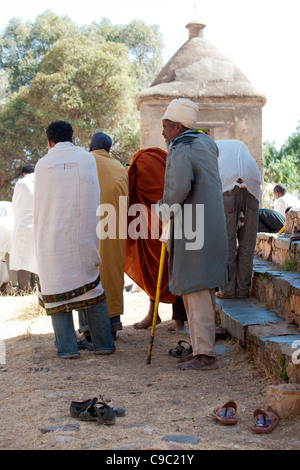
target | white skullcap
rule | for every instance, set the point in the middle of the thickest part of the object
(183, 111)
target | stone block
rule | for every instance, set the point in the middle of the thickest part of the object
(278, 290)
(295, 251)
(237, 315)
(293, 372)
(263, 246)
(275, 346)
(283, 243)
(292, 220)
(284, 400)
(281, 250)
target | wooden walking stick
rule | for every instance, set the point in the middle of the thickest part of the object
(157, 296)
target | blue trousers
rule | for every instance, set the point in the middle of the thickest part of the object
(99, 326)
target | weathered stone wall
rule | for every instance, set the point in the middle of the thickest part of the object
(292, 221)
(278, 248)
(226, 121)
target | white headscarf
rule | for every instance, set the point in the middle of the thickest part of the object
(183, 111)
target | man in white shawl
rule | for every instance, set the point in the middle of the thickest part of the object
(22, 250)
(67, 196)
(6, 227)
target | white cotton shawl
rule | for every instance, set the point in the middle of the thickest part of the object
(237, 167)
(67, 196)
(6, 228)
(22, 250)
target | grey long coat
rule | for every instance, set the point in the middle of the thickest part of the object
(198, 260)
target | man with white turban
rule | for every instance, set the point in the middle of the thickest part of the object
(193, 202)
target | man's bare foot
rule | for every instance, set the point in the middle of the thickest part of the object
(199, 362)
(145, 323)
(177, 325)
(148, 320)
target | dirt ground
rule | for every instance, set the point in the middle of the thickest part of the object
(166, 409)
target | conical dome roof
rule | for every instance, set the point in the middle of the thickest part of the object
(199, 71)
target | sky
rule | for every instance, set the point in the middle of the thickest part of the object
(261, 37)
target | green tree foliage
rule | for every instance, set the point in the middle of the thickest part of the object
(53, 69)
(283, 166)
(23, 46)
(144, 43)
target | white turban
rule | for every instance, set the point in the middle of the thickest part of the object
(183, 111)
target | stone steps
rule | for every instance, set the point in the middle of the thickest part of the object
(279, 290)
(268, 323)
(278, 249)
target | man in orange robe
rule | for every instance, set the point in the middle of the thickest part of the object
(146, 182)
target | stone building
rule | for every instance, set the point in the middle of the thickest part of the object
(229, 106)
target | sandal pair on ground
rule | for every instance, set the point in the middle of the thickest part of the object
(89, 410)
(184, 348)
(264, 421)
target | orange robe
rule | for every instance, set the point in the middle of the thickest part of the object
(146, 183)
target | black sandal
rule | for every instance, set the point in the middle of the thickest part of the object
(180, 350)
(103, 415)
(78, 407)
(88, 408)
(89, 414)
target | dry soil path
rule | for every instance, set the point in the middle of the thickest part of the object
(166, 409)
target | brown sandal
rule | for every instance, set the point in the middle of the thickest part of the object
(226, 413)
(265, 421)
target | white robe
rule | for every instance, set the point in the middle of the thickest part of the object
(22, 250)
(237, 167)
(6, 226)
(67, 196)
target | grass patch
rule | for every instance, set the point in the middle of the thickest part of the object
(289, 265)
(26, 305)
(30, 309)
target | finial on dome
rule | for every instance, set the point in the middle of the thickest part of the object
(195, 29)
